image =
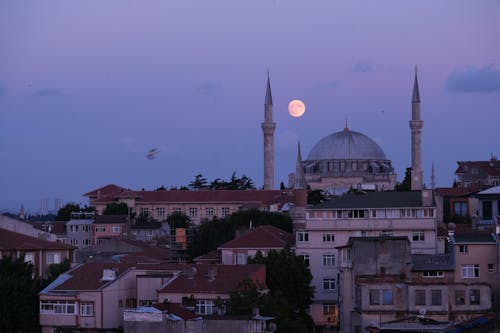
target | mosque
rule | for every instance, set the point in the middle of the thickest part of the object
(344, 160)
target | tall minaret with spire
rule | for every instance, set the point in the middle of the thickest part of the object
(433, 178)
(416, 125)
(268, 127)
(300, 180)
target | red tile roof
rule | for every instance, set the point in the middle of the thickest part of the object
(105, 190)
(454, 191)
(10, 240)
(263, 237)
(486, 166)
(111, 219)
(227, 278)
(215, 196)
(178, 310)
(214, 257)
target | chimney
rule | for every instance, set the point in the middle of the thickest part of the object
(108, 274)
(212, 274)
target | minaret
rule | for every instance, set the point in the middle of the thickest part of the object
(416, 139)
(268, 127)
(300, 180)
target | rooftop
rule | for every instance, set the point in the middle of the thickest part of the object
(484, 238)
(10, 240)
(389, 199)
(111, 219)
(266, 237)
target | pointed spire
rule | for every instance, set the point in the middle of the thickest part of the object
(300, 180)
(416, 95)
(269, 97)
(346, 129)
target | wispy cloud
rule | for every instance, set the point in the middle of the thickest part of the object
(362, 67)
(474, 80)
(49, 92)
(207, 88)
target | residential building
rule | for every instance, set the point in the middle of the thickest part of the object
(110, 226)
(147, 231)
(367, 214)
(197, 205)
(489, 208)
(204, 288)
(79, 229)
(456, 204)
(265, 238)
(478, 174)
(25, 228)
(92, 297)
(39, 252)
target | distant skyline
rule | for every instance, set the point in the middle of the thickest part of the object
(87, 88)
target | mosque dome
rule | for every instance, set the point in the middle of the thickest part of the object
(346, 145)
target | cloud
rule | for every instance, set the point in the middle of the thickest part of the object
(473, 80)
(48, 92)
(362, 67)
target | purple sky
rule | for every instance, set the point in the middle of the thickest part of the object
(87, 87)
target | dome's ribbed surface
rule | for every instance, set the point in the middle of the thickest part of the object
(346, 145)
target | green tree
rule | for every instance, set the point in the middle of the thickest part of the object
(64, 214)
(18, 297)
(53, 272)
(315, 197)
(178, 220)
(198, 183)
(246, 297)
(405, 185)
(115, 208)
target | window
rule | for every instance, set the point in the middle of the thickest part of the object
(74, 241)
(144, 211)
(470, 271)
(177, 210)
(436, 297)
(146, 302)
(116, 229)
(386, 233)
(240, 259)
(160, 212)
(302, 236)
(418, 236)
(419, 297)
(328, 260)
(193, 212)
(86, 228)
(328, 308)
(329, 237)
(86, 241)
(356, 214)
(29, 257)
(491, 268)
(474, 296)
(433, 274)
(337, 214)
(225, 211)
(53, 258)
(459, 297)
(487, 210)
(460, 208)
(57, 307)
(100, 229)
(462, 248)
(329, 284)
(387, 297)
(428, 212)
(87, 309)
(204, 307)
(374, 295)
(209, 212)
(305, 257)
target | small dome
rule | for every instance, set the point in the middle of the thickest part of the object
(346, 145)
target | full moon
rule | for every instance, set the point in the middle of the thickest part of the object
(296, 108)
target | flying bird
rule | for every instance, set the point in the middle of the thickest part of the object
(151, 153)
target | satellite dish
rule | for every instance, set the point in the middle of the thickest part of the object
(422, 312)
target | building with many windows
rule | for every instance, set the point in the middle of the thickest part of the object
(329, 225)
